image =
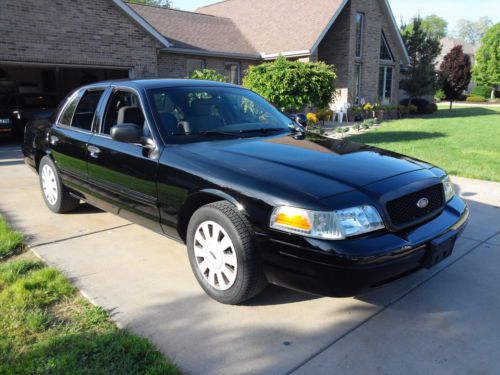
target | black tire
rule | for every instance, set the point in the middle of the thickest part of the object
(250, 279)
(64, 201)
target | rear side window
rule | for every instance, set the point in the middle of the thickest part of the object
(85, 110)
(81, 110)
(69, 111)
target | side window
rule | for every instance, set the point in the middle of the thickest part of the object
(85, 110)
(123, 108)
(68, 113)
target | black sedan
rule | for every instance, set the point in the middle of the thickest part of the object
(255, 197)
(16, 110)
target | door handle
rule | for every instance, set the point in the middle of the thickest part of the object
(94, 151)
(53, 140)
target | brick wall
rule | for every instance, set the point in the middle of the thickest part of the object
(174, 65)
(338, 48)
(83, 32)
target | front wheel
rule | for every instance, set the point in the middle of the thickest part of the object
(55, 194)
(222, 255)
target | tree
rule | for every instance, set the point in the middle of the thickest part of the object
(208, 75)
(455, 73)
(158, 3)
(423, 48)
(292, 85)
(473, 31)
(486, 71)
(435, 26)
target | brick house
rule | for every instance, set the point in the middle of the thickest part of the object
(54, 46)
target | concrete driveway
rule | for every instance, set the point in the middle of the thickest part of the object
(445, 320)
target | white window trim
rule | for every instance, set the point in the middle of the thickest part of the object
(383, 99)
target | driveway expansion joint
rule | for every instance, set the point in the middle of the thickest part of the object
(78, 236)
(389, 304)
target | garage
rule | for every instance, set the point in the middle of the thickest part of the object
(52, 79)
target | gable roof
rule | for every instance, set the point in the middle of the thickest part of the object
(195, 32)
(279, 26)
(288, 27)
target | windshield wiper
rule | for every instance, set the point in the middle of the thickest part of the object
(262, 130)
(216, 132)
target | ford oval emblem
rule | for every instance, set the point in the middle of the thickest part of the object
(422, 203)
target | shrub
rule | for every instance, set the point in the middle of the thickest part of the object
(483, 91)
(439, 95)
(208, 75)
(412, 109)
(292, 85)
(476, 99)
(324, 114)
(429, 109)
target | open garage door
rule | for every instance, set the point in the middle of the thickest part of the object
(56, 80)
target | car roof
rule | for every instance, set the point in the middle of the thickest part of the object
(162, 83)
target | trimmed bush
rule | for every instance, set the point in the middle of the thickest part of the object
(476, 99)
(483, 91)
(429, 109)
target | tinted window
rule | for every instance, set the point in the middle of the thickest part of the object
(85, 110)
(123, 108)
(68, 113)
(360, 18)
(190, 112)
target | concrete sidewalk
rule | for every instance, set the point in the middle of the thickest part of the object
(442, 320)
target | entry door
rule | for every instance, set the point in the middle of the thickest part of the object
(69, 137)
(385, 84)
(124, 175)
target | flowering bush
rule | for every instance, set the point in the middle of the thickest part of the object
(312, 118)
(368, 107)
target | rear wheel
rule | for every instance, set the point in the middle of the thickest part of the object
(55, 194)
(222, 255)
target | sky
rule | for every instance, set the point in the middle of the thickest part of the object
(450, 10)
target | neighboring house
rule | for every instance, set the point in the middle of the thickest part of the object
(54, 46)
(447, 43)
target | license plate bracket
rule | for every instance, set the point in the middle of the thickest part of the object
(439, 249)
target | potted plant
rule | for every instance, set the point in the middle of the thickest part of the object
(379, 112)
(368, 110)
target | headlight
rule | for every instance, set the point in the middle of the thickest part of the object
(330, 225)
(449, 191)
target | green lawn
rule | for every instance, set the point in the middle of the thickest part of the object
(46, 327)
(465, 142)
(9, 239)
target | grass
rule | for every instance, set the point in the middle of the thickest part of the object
(465, 142)
(46, 327)
(9, 240)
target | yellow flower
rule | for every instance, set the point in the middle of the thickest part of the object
(312, 117)
(368, 107)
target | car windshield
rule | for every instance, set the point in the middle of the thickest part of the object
(35, 101)
(192, 113)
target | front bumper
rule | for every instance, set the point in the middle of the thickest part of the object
(346, 268)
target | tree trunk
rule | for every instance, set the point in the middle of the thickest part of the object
(492, 96)
(451, 103)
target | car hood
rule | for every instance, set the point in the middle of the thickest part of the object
(316, 165)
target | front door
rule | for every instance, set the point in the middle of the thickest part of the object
(69, 137)
(385, 84)
(123, 175)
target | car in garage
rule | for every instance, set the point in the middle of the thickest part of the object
(256, 198)
(16, 110)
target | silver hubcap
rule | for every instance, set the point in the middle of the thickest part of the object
(215, 255)
(49, 184)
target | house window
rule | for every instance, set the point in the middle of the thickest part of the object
(194, 64)
(233, 72)
(357, 83)
(385, 51)
(385, 84)
(360, 21)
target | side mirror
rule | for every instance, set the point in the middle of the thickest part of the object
(127, 133)
(300, 119)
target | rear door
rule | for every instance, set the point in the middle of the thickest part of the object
(68, 139)
(124, 174)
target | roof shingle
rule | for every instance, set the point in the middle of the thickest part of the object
(278, 26)
(195, 31)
